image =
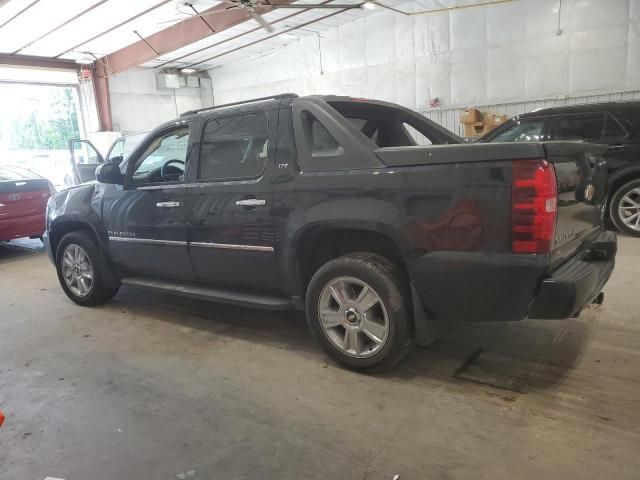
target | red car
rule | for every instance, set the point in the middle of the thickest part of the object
(23, 201)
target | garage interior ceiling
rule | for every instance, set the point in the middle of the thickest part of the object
(40, 28)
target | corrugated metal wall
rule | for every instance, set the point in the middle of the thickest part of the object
(449, 117)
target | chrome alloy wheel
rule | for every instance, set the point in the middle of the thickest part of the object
(353, 317)
(77, 270)
(629, 209)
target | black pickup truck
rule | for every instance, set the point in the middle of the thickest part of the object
(370, 217)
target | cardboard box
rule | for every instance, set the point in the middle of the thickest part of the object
(470, 115)
(472, 129)
(493, 121)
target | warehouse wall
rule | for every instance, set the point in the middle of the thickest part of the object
(478, 56)
(138, 104)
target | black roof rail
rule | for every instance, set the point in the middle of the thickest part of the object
(280, 96)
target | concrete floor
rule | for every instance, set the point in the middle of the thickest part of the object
(148, 387)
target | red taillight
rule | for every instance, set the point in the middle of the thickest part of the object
(533, 206)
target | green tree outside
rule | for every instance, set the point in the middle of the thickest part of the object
(49, 120)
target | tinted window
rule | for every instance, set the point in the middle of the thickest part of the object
(234, 147)
(612, 130)
(84, 153)
(318, 137)
(522, 131)
(630, 119)
(588, 127)
(167, 147)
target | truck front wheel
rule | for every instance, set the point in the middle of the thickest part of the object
(78, 267)
(359, 310)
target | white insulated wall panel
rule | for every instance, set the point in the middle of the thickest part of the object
(498, 54)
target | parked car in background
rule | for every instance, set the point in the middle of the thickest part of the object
(615, 123)
(23, 201)
(326, 204)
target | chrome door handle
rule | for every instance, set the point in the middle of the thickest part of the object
(251, 202)
(167, 204)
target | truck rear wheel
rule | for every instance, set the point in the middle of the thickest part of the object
(625, 208)
(359, 310)
(78, 267)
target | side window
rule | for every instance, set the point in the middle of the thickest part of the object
(589, 127)
(84, 153)
(522, 131)
(117, 149)
(320, 141)
(234, 147)
(164, 158)
(613, 132)
(631, 120)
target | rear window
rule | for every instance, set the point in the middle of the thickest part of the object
(13, 174)
(525, 130)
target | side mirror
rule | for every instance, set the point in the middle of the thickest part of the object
(109, 173)
(117, 160)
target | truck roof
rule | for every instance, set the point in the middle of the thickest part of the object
(584, 108)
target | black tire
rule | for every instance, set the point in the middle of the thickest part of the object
(384, 277)
(98, 292)
(614, 205)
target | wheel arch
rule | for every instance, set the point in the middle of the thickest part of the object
(620, 177)
(320, 243)
(62, 226)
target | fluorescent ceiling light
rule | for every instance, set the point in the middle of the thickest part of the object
(188, 70)
(369, 6)
(287, 36)
(85, 60)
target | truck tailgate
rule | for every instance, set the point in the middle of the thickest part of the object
(581, 183)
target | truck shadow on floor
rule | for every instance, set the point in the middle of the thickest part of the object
(510, 358)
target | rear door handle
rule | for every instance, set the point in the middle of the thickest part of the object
(167, 204)
(251, 202)
(617, 147)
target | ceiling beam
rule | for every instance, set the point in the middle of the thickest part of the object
(179, 35)
(41, 62)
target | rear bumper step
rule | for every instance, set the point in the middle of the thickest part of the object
(577, 283)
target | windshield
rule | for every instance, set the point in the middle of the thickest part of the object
(521, 131)
(123, 146)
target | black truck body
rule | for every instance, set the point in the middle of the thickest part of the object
(477, 232)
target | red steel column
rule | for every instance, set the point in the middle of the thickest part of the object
(103, 101)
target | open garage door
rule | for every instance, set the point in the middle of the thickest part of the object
(38, 121)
